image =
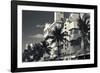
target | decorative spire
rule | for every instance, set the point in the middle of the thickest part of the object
(58, 16)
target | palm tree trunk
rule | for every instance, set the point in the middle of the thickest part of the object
(58, 49)
(83, 45)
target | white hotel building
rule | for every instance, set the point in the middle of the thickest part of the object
(70, 27)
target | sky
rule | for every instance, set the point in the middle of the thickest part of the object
(33, 24)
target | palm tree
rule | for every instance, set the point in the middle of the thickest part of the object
(84, 27)
(44, 46)
(26, 56)
(45, 49)
(57, 37)
(36, 52)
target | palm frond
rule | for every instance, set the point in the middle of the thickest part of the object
(49, 37)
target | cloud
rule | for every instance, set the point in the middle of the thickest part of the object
(39, 26)
(37, 36)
